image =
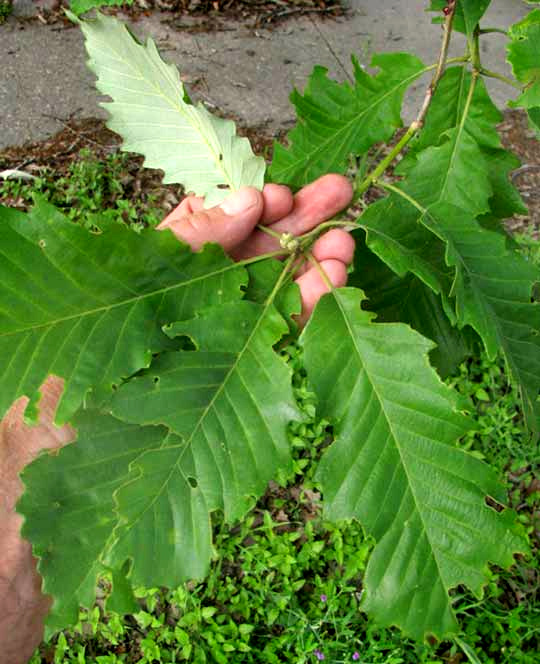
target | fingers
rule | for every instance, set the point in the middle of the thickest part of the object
(313, 204)
(336, 244)
(24, 607)
(191, 223)
(313, 287)
(278, 203)
(334, 251)
(232, 225)
(227, 224)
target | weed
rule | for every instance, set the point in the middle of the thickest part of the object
(6, 8)
(89, 187)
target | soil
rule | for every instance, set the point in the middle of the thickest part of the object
(517, 137)
(257, 13)
(56, 154)
(59, 151)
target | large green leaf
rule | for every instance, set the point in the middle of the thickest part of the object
(467, 15)
(89, 307)
(394, 235)
(524, 56)
(229, 401)
(406, 299)
(447, 110)
(470, 11)
(336, 120)
(455, 171)
(492, 283)
(534, 117)
(493, 289)
(151, 112)
(164, 530)
(448, 170)
(458, 156)
(69, 509)
(394, 467)
(228, 405)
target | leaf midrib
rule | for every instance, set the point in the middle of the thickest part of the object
(486, 304)
(218, 164)
(460, 129)
(394, 436)
(123, 303)
(308, 156)
(187, 443)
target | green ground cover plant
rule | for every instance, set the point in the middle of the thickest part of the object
(6, 8)
(82, 6)
(402, 461)
(91, 189)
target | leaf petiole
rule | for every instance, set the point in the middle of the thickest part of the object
(499, 77)
(307, 239)
(487, 31)
(400, 192)
(269, 231)
(279, 283)
(311, 258)
(260, 257)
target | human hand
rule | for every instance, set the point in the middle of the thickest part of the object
(233, 226)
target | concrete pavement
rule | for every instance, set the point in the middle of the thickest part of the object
(246, 73)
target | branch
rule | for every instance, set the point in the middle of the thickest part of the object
(383, 165)
(468, 102)
(419, 121)
(447, 32)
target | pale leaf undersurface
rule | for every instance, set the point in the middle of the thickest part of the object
(394, 467)
(150, 110)
(89, 307)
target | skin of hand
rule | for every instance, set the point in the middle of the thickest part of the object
(23, 607)
(233, 225)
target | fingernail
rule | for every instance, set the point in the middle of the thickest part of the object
(239, 202)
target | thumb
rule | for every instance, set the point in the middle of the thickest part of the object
(228, 224)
